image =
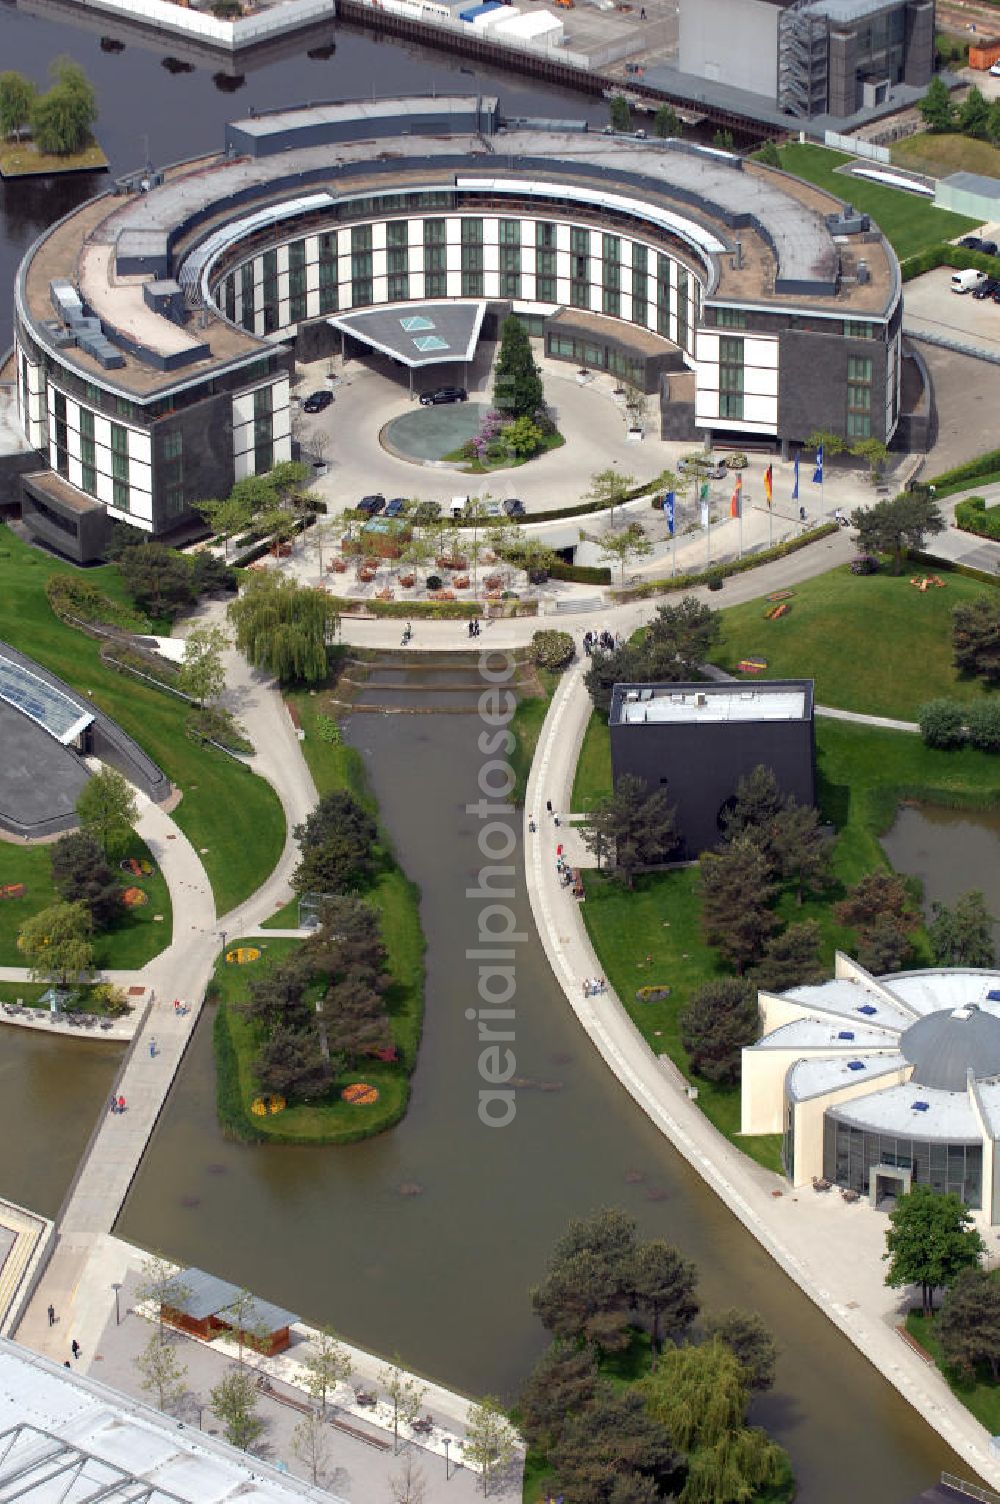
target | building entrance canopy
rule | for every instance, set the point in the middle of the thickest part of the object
(418, 334)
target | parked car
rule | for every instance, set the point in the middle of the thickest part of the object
(971, 243)
(396, 507)
(986, 289)
(514, 506)
(316, 401)
(371, 505)
(995, 70)
(494, 509)
(988, 247)
(444, 394)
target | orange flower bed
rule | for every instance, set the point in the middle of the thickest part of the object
(359, 1094)
(461, 582)
(134, 898)
(243, 955)
(12, 890)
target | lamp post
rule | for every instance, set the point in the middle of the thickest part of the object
(118, 1304)
(447, 1444)
(222, 937)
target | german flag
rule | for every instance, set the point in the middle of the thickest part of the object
(768, 484)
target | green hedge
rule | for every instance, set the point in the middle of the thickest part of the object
(949, 566)
(948, 255)
(581, 574)
(986, 467)
(722, 571)
(435, 610)
(974, 516)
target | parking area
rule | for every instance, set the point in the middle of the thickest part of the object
(931, 308)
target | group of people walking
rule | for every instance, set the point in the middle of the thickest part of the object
(606, 641)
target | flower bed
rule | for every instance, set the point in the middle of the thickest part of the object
(359, 1094)
(407, 581)
(652, 994)
(134, 898)
(461, 582)
(777, 612)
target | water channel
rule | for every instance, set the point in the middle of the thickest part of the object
(442, 1278)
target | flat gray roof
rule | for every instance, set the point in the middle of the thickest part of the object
(418, 334)
(711, 703)
(819, 1033)
(208, 1295)
(974, 182)
(815, 1078)
(945, 1115)
(364, 109)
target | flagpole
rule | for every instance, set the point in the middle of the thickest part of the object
(673, 556)
(741, 525)
(708, 537)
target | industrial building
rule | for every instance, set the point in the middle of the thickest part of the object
(810, 57)
(879, 1083)
(696, 741)
(158, 327)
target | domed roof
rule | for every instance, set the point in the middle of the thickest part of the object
(944, 1046)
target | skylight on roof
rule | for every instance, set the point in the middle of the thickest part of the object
(867, 1009)
(993, 996)
(415, 322)
(427, 342)
(855, 1065)
(921, 1106)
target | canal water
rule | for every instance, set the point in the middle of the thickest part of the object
(950, 850)
(52, 1091)
(441, 1278)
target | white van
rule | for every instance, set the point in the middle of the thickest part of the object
(967, 281)
(458, 506)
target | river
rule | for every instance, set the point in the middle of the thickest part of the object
(440, 1278)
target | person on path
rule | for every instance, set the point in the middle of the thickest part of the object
(548, 806)
(52, 1315)
(152, 1048)
(121, 1104)
(75, 1348)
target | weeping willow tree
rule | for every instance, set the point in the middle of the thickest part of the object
(284, 628)
(699, 1395)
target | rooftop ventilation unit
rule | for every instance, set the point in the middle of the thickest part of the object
(65, 300)
(863, 274)
(701, 700)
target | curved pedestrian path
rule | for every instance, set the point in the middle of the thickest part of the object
(831, 1250)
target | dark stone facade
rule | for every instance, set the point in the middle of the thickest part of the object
(700, 763)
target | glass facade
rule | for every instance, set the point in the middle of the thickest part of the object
(849, 1154)
(730, 376)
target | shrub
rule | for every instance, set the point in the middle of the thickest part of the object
(581, 574)
(961, 476)
(434, 582)
(212, 723)
(974, 516)
(71, 596)
(942, 723)
(552, 650)
(983, 722)
(864, 564)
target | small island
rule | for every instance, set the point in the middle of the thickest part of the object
(45, 134)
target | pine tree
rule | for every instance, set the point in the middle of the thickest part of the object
(517, 381)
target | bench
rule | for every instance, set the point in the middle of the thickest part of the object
(578, 888)
(359, 1435)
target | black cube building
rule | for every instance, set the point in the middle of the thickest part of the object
(698, 740)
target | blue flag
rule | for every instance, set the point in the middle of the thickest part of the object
(818, 472)
(669, 502)
(795, 483)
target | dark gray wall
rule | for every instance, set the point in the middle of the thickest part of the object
(918, 55)
(700, 766)
(812, 383)
(206, 431)
(78, 535)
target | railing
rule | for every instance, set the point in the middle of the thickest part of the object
(969, 1490)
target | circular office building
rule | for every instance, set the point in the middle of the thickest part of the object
(158, 327)
(878, 1083)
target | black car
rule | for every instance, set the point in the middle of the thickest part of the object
(986, 289)
(397, 506)
(988, 247)
(316, 401)
(513, 507)
(370, 505)
(444, 394)
(971, 243)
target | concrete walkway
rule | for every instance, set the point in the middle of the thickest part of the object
(883, 722)
(833, 1251)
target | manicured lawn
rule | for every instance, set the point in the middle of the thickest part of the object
(231, 816)
(593, 769)
(286, 918)
(980, 1395)
(526, 727)
(660, 918)
(872, 643)
(907, 221)
(940, 155)
(133, 941)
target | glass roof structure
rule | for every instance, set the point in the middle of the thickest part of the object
(42, 703)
